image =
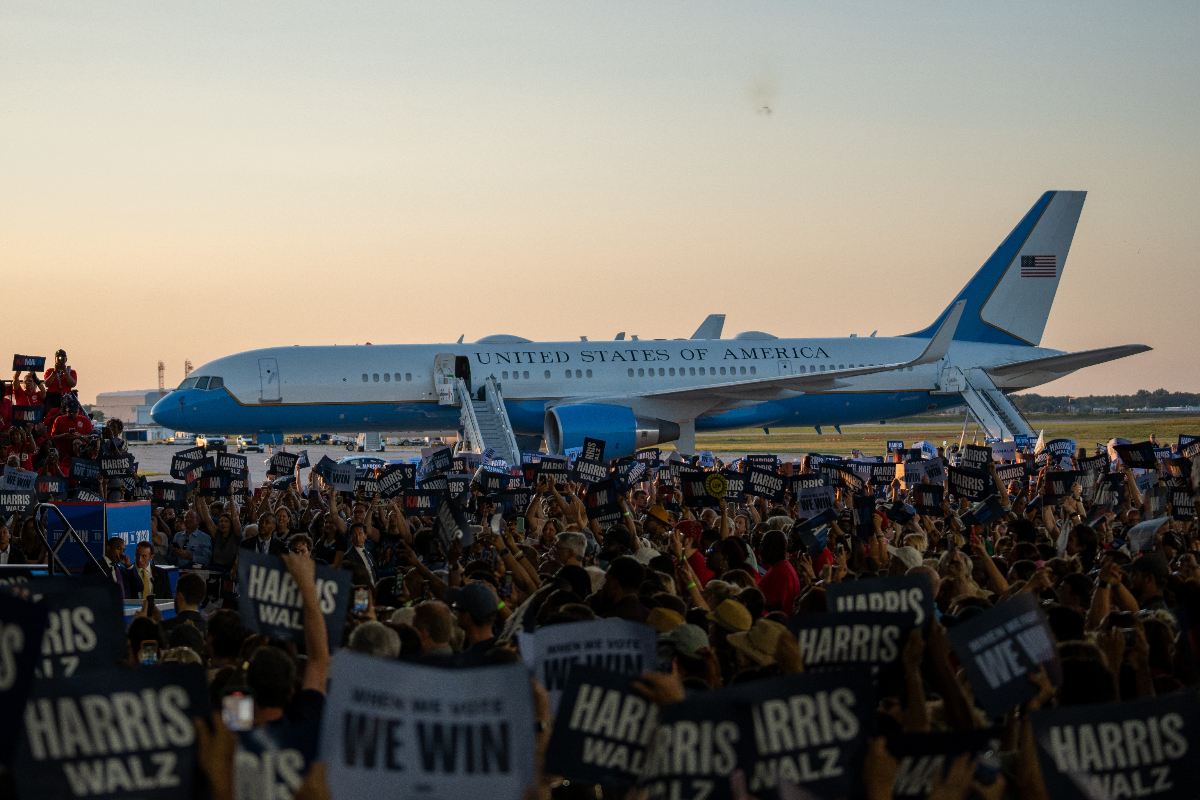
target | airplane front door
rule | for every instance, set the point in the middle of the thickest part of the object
(443, 379)
(268, 376)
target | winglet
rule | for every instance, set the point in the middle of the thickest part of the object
(711, 327)
(939, 345)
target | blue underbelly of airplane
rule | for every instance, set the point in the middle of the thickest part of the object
(217, 412)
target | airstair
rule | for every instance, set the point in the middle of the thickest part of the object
(992, 409)
(485, 421)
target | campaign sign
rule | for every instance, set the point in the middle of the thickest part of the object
(1182, 507)
(719, 723)
(923, 757)
(29, 363)
(283, 463)
(1133, 748)
(1001, 647)
(1155, 500)
(214, 483)
(587, 470)
(552, 467)
(614, 645)
(421, 503)
(1138, 456)
(435, 483)
(27, 415)
(367, 486)
(735, 485)
(1189, 448)
(695, 492)
(396, 479)
(116, 733)
(602, 731)
(50, 487)
(116, 466)
(87, 496)
(927, 498)
(22, 624)
(85, 629)
(449, 524)
(814, 531)
(513, 503)
(761, 483)
(975, 457)
(270, 602)
(233, 462)
(882, 474)
(84, 471)
(593, 449)
(459, 486)
(321, 470)
(905, 594)
(184, 460)
(341, 477)
(972, 484)
(810, 502)
(437, 461)
(840, 639)
(864, 516)
(601, 499)
(274, 758)
(18, 502)
(767, 461)
(392, 729)
(650, 456)
(16, 479)
(489, 480)
(169, 495)
(894, 445)
(810, 480)
(918, 471)
(1058, 484)
(985, 512)
(1061, 449)
(1004, 451)
(809, 730)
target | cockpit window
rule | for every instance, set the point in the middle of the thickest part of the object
(202, 382)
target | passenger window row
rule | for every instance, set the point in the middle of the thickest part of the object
(387, 377)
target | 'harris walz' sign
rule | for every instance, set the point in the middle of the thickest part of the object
(392, 729)
(85, 630)
(270, 602)
(116, 733)
(602, 731)
(901, 593)
(1135, 748)
(972, 484)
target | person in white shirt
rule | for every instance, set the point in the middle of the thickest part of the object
(357, 553)
(7, 551)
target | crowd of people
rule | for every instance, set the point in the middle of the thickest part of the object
(721, 581)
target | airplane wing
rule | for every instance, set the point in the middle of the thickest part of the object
(1065, 363)
(711, 327)
(761, 389)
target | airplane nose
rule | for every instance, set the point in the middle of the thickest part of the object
(168, 412)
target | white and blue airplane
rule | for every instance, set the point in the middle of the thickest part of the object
(633, 394)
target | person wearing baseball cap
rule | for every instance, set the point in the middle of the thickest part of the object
(475, 607)
(1148, 576)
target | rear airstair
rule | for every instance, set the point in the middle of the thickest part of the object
(992, 409)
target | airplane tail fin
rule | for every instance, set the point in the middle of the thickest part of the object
(1008, 300)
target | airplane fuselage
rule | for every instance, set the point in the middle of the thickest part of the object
(392, 387)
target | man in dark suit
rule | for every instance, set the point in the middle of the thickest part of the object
(260, 540)
(110, 564)
(357, 555)
(144, 578)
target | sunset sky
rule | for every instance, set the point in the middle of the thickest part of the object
(187, 180)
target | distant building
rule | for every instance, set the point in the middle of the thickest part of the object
(132, 408)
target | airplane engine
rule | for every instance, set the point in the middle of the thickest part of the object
(616, 426)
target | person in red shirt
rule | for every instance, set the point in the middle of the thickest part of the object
(28, 391)
(780, 585)
(20, 446)
(68, 426)
(5, 412)
(59, 381)
(691, 530)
